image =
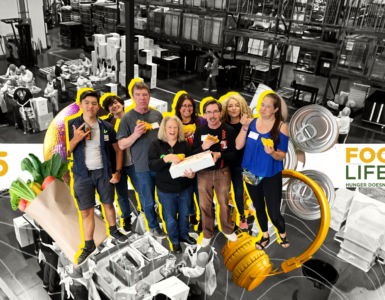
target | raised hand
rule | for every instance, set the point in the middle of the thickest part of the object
(79, 134)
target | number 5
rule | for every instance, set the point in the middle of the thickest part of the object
(3, 164)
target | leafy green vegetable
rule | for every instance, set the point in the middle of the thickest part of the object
(37, 164)
(56, 164)
(39, 171)
(21, 189)
(15, 200)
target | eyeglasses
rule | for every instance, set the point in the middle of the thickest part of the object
(187, 106)
(215, 112)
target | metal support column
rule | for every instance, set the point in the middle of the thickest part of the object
(130, 39)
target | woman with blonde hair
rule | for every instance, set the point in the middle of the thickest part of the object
(234, 107)
(173, 194)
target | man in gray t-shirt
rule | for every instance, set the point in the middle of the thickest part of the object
(139, 140)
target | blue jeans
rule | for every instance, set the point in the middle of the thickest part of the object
(191, 202)
(175, 213)
(122, 190)
(147, 187)
(236, 178)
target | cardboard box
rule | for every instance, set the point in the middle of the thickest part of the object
(154, 69)
(23, 231)
(162, 105)
(172, 287)
(148, 44)
(195, 163)
(123, 42)
(140, 40)
(162, 53)
(44, 121)
(112, 88)
(40, 106)
(103, 50)
(115, 35)
(151, 82)
(122, 79)
(122, 55)
(122, 67)
(136, 70)
(145, 57)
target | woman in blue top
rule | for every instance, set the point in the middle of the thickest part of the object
(265, 161)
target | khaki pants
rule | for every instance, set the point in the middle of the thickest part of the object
(220, 181)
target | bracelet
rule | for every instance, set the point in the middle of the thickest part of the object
(162, 156)
(244, 129)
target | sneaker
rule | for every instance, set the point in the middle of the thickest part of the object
(120, 237)
(86, 254)
(242, 223)
(127, 226)
(57, 291)
(158, 233)
(205, 89)
(45, 285)
(205, 242)
(214, 90)
(232, 237)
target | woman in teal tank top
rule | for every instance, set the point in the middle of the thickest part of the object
(262, 160)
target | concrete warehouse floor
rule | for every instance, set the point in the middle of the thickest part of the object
(21, 274)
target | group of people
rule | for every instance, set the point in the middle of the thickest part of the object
(104, 154)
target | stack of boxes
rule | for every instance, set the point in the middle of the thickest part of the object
(86, 18)
(75, 13)
(257, 47)
(340, 209)
(159, 105)
(146, 69)
(44, 118)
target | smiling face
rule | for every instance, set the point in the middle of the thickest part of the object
(172, 130)
(213, 115)
(141, 98)
(116, 107)
(233, 108)
(90, 106)
(267, 107)
(186, 109)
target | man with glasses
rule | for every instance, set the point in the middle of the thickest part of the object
(218, 176)
(139, 139)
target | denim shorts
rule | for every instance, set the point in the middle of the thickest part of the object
(84, 189)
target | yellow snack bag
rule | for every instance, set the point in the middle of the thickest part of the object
(267, 142)
(148, 126)
(191, 127)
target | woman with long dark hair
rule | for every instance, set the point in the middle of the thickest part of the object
(186, 111)
(263, 164)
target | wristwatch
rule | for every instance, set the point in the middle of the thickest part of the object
(119, 171)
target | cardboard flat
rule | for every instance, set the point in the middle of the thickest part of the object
(196, 163)
(55, 210)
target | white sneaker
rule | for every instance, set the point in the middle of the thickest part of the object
(205, 242)
(232, 237)
(205, 89)
(214, 90)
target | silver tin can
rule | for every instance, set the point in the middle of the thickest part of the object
(313, 129)
(301, 199)
(293, 156)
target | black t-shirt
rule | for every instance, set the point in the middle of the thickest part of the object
(238, 162)
(226, 145)
(22, 96)
(164, 182)
(58, 71)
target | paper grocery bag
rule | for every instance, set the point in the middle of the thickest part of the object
(55, 210)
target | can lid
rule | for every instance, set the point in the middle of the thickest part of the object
(290, 161)
(301, 199)
(313, 129)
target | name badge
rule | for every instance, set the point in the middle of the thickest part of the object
(106, 138)
(203, 137)
(155, 125)
(253, 135)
